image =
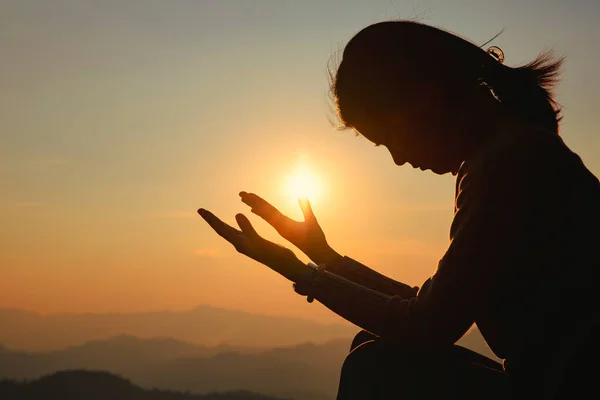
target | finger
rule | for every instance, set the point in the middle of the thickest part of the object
(265, 210)
(247, 227)
(258, 204)
(227, 232)
(307, 211)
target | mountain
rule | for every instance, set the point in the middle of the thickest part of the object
(126, 354)
(203, 325)
(92, 385)
(304, 372)
(203, 350)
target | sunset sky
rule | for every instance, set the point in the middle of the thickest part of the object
(118, 119)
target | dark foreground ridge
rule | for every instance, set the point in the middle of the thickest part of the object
(96, 385)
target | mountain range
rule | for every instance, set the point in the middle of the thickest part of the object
(303, 372)
(203, 325)
(95, 385)
(230, 350)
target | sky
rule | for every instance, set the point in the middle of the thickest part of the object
(119, 119)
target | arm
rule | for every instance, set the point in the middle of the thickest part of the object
(429, 319)
(308, 236)
(362, 275)
(484, 238)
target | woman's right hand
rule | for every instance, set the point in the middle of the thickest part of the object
(306, 235)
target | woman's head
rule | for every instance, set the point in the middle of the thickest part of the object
(420, 91)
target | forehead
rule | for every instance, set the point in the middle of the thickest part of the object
(375, 131)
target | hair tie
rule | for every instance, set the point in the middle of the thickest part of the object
(490, 73)
(497, 53)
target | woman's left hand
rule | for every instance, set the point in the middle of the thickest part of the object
(250, 243)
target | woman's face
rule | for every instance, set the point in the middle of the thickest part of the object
(423, 135)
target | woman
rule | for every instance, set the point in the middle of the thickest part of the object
(522, 260)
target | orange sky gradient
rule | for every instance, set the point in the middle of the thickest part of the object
(119, 119)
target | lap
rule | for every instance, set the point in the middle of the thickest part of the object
(385, 371)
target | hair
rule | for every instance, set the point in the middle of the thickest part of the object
(384, 61)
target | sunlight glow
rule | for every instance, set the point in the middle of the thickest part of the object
(302, 182)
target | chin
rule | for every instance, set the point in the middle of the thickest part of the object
(440, 171)
(444, 168)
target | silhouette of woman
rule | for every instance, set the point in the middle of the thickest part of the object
(522, 262)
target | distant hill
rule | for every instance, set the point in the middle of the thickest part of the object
(204, 325)
(305, 372)
(123, 354)
(90, 385)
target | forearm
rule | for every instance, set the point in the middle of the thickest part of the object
(436, 317)
(360, 305)
(324, 255)
(360, 274)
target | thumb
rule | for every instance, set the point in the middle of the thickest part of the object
(246, 226)
(307, 211)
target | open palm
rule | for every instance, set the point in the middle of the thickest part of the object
(306, 235)
(248, 242)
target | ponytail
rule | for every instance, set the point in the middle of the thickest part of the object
(527, 90)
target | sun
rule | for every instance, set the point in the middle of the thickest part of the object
(302, 182)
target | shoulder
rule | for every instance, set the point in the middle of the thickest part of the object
(512, 170)
(509, 157)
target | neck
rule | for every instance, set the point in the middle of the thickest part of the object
(486, 118)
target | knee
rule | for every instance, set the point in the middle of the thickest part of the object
(360, 338)
(358, 374)
(362, 356)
